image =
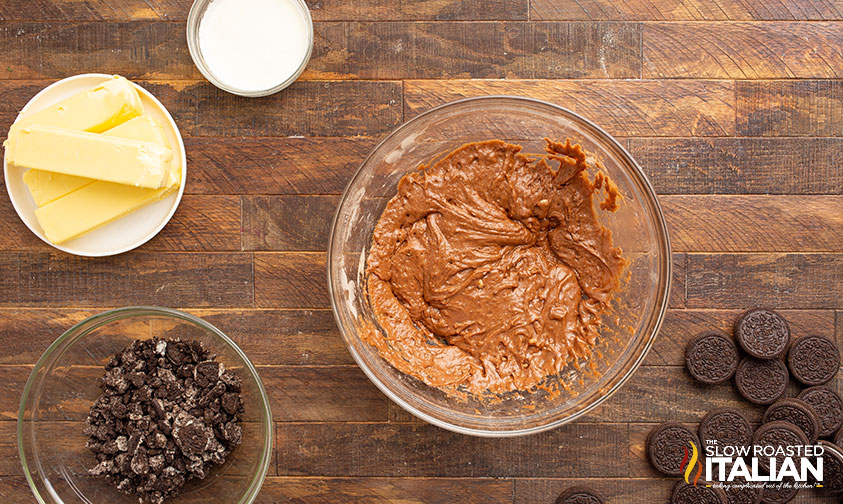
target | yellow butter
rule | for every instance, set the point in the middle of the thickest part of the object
(96, 110)
(92, 206)
(101, 157)
(48, 186)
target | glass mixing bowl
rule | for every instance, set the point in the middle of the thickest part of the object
(638, 228)
(65, 383)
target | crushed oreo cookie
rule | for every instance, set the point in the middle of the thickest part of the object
(168, 412)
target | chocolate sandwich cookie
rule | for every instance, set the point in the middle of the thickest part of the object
(666, 447)
(772, 493)
(761, 381)
(828, 405)
(579, 495)
(725, 427)
(838, 438)
(740, 491)
(684, 493)
(797, 412)
(832, 468)
(777, 434)
(763, 334)
(711, 357)
(813, 360)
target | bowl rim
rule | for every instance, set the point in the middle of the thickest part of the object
(115, 314)
(658, 221)
(194, 19)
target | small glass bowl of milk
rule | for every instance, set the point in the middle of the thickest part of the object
(250, 47)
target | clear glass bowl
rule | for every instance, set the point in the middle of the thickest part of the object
(638, 228)
(194, 18)
(65, 383)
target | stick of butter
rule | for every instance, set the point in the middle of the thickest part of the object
(101, 157)
(96, 110)
(46, 187)
(92, 206)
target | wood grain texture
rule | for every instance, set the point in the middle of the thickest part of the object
(742, 50)
(784, 280)
(382, 490)
(163, 278)
(13, 379)
(687, 10)
(659, 394)
(94, 10)
(681, 325)
(9, 460)
(397, 450)
(754, 223)
(789, 108)
(291, 280)
(321, 10)
(388, 10)
(323, 394)
(624, 108)
(546, 490)
(15, 489)
(311, 108)
(399, 50)
(677, 284)
(741, 165)
(202, 223)
(134, 50)
(287, 222)
(225, 165)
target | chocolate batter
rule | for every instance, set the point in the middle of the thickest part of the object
(489, 270)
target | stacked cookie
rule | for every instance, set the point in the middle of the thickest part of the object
(761, 366)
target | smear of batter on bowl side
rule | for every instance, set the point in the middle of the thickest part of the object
(489, 270)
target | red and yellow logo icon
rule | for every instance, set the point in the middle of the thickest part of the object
(689, 462)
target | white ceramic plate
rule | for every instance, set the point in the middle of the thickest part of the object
(123, 234)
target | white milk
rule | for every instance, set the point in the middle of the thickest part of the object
(253, 45)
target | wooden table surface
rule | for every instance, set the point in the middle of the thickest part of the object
(733, 107)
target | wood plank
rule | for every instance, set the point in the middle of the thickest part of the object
(268, 337)
(425, 50)
(282, 337)
(396, 450)
(314, 108)
(659, 394)
(544, 490)
(789, 108)
(737, 223)
(741, 165)
(392, 50)
(273, 165)
(742, 50)
(94, 10)
(681, 325)
(297, 394)
(201, 223)
(323, 394)
(382, 490)
(677, 284)
(686, 10)
(291, 280)
(414, 10)
(321, 10)
(785, 280)
(9, 460)
(287, 222)
(15, 489)
(153, 50)
(13, 379)
(170, 279)
(624, 108)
